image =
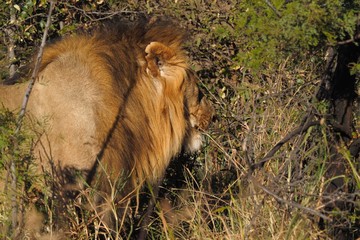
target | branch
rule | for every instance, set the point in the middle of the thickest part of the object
(351, 40)
(340, 128)
(354, 148)
(273, 8)
(296, 131)
(36, 69)
(11, 46)
(287, 202)
(105, 15)
(14, 214)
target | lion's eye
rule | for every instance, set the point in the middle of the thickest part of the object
(158, 62)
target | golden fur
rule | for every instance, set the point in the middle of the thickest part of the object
(118, 103)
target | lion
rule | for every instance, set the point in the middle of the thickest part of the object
(117, 105)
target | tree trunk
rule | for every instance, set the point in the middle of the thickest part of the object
(339, 89)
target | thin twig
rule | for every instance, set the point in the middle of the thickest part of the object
(299, 130)
(11, 45)
(273, 8)
(292, 134)
(36, 69)
(107, 15)
(287, 202)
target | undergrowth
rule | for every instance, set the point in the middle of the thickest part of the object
(221, 198)
(260, 98)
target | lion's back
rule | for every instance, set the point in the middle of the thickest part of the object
(64, 100)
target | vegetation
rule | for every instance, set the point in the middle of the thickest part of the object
(279, 74)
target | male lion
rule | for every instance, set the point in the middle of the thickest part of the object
(117, 105)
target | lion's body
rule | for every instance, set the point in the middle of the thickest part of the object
(114, 103)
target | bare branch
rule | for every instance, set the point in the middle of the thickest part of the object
(296, 131)
(14, 216)
(273, 8)
(11, 46)
(36, 68)
(105, 15)
(351, 40)
(287, 202)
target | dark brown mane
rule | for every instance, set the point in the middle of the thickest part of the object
(141, 32)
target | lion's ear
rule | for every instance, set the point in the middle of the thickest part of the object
(157, 56)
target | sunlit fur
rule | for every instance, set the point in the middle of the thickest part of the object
(118, 103)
